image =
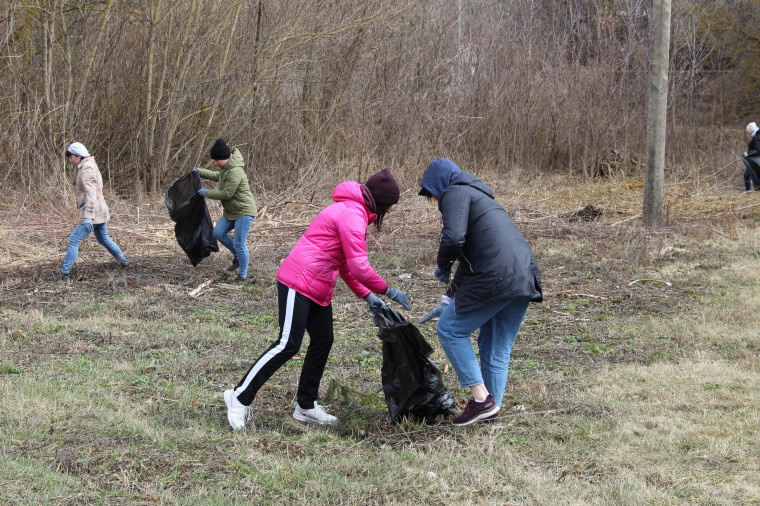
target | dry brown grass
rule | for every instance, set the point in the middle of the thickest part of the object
(543, 205)
(635, 381)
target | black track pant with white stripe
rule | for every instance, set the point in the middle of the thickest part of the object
(298, 314)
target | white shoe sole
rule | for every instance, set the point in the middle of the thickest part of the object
(482, 416)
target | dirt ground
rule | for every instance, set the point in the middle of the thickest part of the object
(173, 333)
(591, 255)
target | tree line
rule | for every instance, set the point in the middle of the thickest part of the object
(308, 88)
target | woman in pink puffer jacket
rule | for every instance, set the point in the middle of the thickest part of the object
(333, 244)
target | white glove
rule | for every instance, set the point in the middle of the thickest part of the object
(437, 310)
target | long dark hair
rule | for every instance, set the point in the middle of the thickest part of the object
(380, 210)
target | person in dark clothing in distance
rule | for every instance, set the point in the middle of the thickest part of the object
(753, 150)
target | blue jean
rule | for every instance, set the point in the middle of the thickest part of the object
(239, 245)
(498, 323)
(78, 235)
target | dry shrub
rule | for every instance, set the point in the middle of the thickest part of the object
(310, 91)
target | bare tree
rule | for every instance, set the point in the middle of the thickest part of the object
(657, 109)
(312, 90)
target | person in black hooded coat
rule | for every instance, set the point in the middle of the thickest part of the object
(749, 158)
(496, 278)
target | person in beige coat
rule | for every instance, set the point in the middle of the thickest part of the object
(93, 211)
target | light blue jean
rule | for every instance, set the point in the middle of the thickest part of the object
(101, 235)
(239, 245)
(498, 323)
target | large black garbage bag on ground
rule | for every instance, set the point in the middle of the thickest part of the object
(412, 383)
(193, 227)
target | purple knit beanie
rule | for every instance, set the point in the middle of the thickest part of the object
(383, 187)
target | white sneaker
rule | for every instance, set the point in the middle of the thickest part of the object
(237, 412)
(315, 415)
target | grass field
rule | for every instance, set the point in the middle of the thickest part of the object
(637, 381)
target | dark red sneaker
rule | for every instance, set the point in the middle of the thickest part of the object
(476, 411)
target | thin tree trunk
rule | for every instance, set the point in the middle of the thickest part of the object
(48, 31)
(152, 169)
(85, 75)
(183, 61)
(66, 118)
(221, 89)
(148, 134)
(657, 108)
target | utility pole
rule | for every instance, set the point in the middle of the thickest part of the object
(657, 105)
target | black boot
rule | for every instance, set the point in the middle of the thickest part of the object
(235, 265)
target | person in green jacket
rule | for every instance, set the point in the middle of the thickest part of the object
(237, 201)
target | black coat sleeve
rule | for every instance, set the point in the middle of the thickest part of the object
(455, 211)
(753, 149)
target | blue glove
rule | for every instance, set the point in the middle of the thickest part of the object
(441, 275)
(203, 192)
(375, 303)
(397, 295)
(196, 170)
(438, 310)
(87, 222)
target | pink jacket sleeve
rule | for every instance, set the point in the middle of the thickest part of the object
(358, 274)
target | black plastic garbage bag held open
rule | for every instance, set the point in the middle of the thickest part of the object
(412, 383)
(193, 227)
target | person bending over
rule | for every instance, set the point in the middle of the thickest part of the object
(496, 277)
(333, 244)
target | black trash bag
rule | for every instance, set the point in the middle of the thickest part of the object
(193, 227)
(412, 383)
(753, 164)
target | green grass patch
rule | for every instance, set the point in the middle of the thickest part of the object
(621, 391)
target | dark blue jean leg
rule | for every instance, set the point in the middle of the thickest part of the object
(222, 228)
(242, 228)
